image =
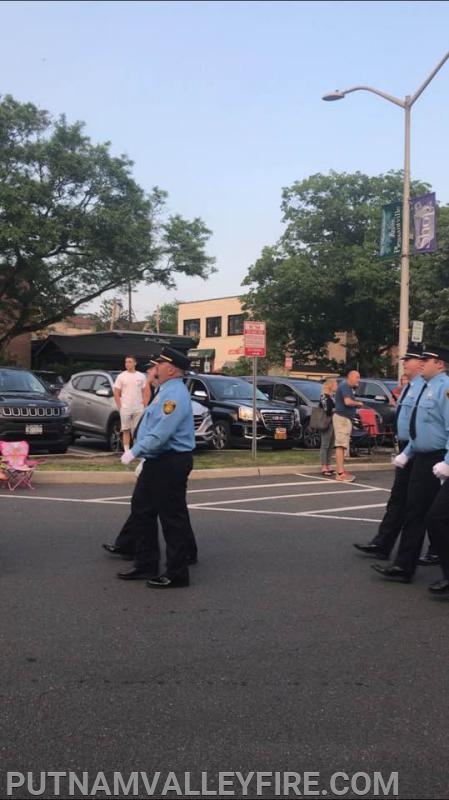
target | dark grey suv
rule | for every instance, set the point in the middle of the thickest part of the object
(301, 394)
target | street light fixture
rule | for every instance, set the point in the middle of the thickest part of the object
(406, 104)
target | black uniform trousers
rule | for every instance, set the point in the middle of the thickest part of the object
(160, 491)
(393, 519)
(423, 487)
(438, 526)
(126, 539)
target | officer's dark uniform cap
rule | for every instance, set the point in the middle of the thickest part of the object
(172, 356)
(413, 351)
(436, 351)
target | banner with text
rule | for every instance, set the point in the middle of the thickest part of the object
(391, 231)
(424, 223)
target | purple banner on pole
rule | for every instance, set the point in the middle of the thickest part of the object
(424, 223)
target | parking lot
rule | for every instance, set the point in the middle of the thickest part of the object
(287, 652)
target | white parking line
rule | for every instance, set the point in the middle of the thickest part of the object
(296, 514)
(279, 497)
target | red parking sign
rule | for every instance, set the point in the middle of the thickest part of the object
(255, 339)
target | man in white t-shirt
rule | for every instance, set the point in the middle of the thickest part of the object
(129, 395)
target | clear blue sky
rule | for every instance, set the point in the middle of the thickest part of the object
(220, 103)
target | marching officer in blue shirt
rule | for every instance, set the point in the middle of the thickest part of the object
(428, 449)
(165, 440)
(390, 527)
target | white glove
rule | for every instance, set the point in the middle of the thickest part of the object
(139, 468)
(401, 460)
(127, 457)
(441, 470)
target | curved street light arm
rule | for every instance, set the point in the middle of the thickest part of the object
(390, 97)
(419, 91)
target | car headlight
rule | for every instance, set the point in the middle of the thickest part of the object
(296, 416)
(246, 414)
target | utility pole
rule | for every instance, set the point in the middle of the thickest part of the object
(113, 314)
(130, 306)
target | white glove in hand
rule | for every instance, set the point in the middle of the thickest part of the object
(441, 470)
(401, 460)
(127, 457)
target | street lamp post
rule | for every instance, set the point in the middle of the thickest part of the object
(406, 104)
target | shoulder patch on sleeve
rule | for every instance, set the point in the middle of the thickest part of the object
(169, 406)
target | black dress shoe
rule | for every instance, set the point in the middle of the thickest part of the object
(117, 551)
(372, 550)
(135, 575)
(163, 582)
(392, 573)
(440, 588)
(429, 560)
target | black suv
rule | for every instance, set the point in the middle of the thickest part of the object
(230, 403)
(29, 412)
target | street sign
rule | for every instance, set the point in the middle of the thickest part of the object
(288, 363)
(417, 331)
(254, 339)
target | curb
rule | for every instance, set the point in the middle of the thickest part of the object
(128, 477)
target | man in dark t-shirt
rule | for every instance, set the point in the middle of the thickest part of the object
(345, 410)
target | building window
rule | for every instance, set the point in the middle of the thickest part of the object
(213, 326)
(192, 328)
(235, 324)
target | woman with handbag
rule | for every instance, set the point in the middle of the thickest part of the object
(327, 403)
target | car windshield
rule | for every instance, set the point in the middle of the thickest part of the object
(224, 388)
(312, 390)
(15, 380)
(390, 384)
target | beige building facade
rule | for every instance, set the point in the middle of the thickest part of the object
(218, 325)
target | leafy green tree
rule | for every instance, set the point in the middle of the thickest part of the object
(164, 318)
(324, 274)
(111, 315)
(74, 224)
(244, 366)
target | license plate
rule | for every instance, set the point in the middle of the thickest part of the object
(33, 429)
(280, 433)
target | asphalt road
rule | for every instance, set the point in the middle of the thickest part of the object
(286, 654)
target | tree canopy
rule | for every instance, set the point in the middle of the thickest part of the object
(74, 224)
(324, 275)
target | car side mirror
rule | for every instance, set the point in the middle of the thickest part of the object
(104, 392)
(381, 398)
(290, 398)
(202, 395)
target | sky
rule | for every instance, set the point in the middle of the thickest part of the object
(219, 103)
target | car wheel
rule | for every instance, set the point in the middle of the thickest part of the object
(113, 437)
(311, 438)
(222, 436)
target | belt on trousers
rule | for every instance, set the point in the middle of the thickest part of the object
(168, 453)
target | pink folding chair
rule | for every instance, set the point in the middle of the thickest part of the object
(15, 465)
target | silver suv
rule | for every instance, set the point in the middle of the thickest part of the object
(94, 413)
